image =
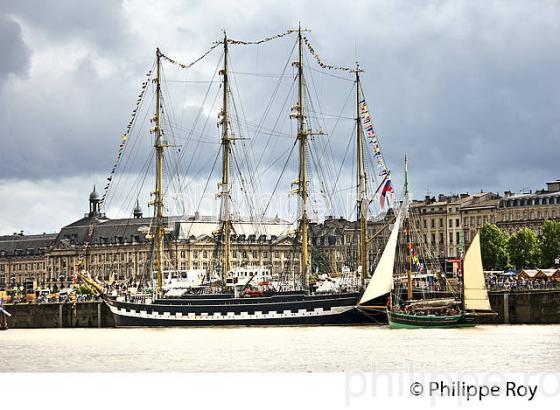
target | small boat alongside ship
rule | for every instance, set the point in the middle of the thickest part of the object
(462, 306)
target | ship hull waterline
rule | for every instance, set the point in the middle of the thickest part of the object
(337, 309)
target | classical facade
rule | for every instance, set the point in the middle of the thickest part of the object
(449, 223)
(529, 209)
(23, 258)
(118, 248)
(335, 242)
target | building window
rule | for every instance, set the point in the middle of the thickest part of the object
(451, 223)
(457, 222)
(254, 254)
(433, 222)
(450, 237)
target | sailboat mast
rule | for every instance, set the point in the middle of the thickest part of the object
(408, 236)
(225, 185)
(158, 192)
(362, 187)
(302, 137)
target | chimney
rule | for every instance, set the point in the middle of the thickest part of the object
(553, 186)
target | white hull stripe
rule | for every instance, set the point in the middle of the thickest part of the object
(217, 316)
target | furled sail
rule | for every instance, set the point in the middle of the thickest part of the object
(476, 294)
(381, 281)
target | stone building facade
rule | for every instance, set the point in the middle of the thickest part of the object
(449, 223)
(23, 258)
(529, 209)
(118, 248)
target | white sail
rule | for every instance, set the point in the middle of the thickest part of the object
(381, 281)
(475, 292)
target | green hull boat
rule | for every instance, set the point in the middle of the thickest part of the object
(399, 320)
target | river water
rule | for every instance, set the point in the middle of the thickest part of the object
(517, 348)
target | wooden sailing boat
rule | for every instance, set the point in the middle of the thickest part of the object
(296, 306)
(435, 312)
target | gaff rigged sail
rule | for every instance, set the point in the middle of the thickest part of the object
(476, 294)
(381, 281)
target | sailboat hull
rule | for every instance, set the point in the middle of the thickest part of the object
(409, 321)
(335, 309)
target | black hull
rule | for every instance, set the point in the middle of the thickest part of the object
(276, 310)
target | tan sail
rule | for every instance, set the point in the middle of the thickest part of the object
(475, 292)
(381, 281)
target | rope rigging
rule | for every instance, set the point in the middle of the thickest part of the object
(187, 139)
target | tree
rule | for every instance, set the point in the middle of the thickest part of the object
(494, 247)
(524, 249)
(550, 240)
(319, 261)
(83, 290)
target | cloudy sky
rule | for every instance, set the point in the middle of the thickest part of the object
(467, 89)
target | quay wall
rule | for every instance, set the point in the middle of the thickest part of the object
(519, 307)
(45, 315)
(525, 307)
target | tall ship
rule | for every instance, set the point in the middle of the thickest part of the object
(220, 293)
(417, 298)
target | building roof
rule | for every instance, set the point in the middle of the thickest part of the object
(488, 203)
(25, 245)
(208, 227)
(108, 231)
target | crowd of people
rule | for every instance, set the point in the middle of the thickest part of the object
(515, 282)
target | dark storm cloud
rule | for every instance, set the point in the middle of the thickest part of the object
(15, 53)
(99, 22)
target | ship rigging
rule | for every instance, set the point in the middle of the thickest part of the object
(288, 297)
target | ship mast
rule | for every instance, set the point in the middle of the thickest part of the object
(225, 217)
(159, 229)
(408, 236)
(302, 180)
(362, 187)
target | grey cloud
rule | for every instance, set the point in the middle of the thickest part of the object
(467, 89)
(98, 22)
(15, 53)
